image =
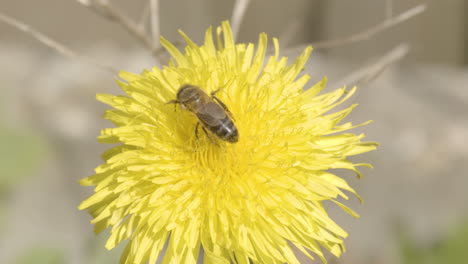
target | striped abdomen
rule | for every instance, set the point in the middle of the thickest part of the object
(215, 119)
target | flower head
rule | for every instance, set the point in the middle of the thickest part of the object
(253, 200)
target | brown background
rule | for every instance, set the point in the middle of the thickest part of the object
(49, 117)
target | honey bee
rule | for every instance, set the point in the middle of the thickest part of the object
(211, 112)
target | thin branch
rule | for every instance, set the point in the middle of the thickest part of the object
(155, 22)
(368, 33)
(240, 6)
(84, 2)
(389, 8)
(115, 15)
(144, 16)
(103, 8)
(372, 71)
(292, 29)
(47, 41)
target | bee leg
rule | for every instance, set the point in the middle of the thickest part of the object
(213, 95)
(209, 136)
(196, 129)
(175, 102)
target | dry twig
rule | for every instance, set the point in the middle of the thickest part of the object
(370, 32)
(292, 28)
(47, 41)
(155, 22)
(389, 9)
(373, 70)
(240, 6)
(104, 9)
(145, 15)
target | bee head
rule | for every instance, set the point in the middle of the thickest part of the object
(188, 93)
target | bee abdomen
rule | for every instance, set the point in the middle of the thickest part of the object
(226, 130)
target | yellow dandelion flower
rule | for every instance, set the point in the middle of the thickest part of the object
(246, 202)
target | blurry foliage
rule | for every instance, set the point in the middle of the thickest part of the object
(19, 154)
(453, 248)
(2, 216)
(42, 255)
(97, 253)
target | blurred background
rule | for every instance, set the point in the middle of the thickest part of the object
(413, 82)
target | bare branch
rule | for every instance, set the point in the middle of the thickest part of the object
(84, 2)
(155, 22)
(103, 8)
(145, 16)
(292, 29)
(372, 71)
(240, 6)
(115, 15)
(389, 8)
(47, 41)
(368, 33)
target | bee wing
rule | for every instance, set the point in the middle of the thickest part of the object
(222, 105)
(211, 114)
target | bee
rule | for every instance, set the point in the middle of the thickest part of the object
(211, 112)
